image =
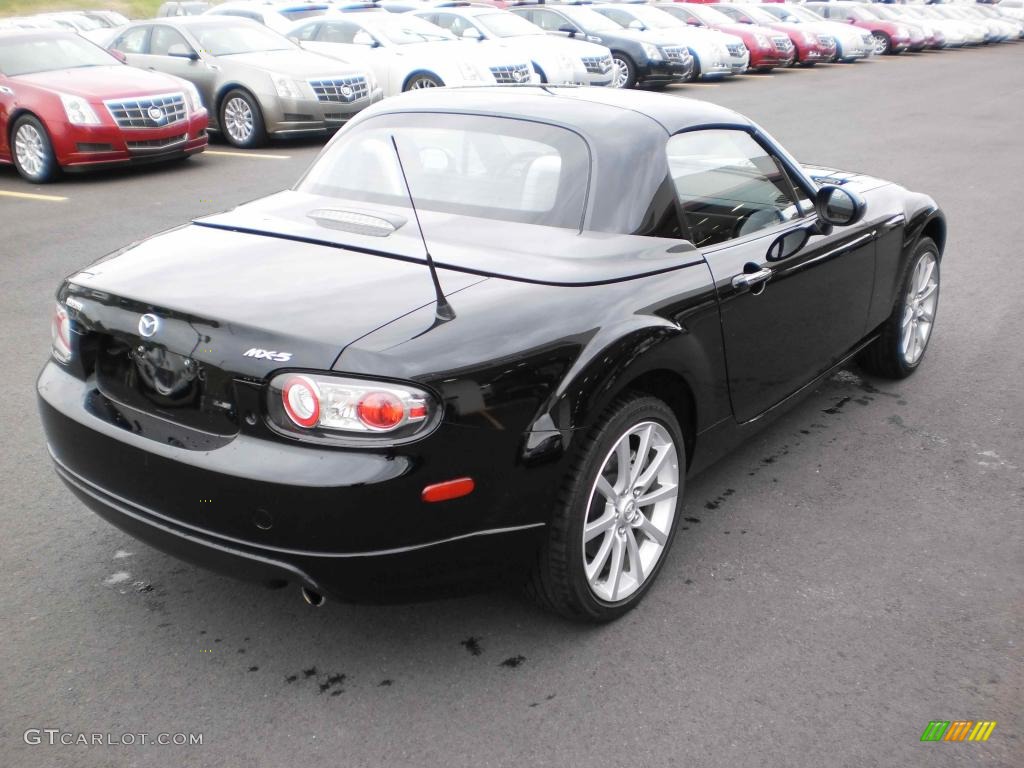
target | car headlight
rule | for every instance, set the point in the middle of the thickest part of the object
(468, 71)
(326, 406)
(651, 51)
(195, 103)
(286, 87)
(761, 39)
(78, 110)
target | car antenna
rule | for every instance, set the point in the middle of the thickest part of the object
(444, 309)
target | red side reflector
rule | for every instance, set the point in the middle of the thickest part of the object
(451, 489)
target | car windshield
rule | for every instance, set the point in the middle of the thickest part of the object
(298, 14)
(709, 15)
(792, 14)
(507, 25)
(756, 14)
(84, 23)
(485, 167)
(404, 30)
(26, 55)
(590, 20)
(653, 18)
(233, 38)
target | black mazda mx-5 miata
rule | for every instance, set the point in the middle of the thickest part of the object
(627, 284)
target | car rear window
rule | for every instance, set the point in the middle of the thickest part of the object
(487, 167)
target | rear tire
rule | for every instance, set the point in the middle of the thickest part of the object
(899, 350)
(32, 151)
(589, 580)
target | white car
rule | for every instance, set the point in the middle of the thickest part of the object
(405, 52)
(89, 28)
(852, 42)
(715, 54)
(555, 59)
(280, 17)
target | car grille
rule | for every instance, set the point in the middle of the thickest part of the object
(782, 43)
(149, 111)
(827, 41)
(598, 65)
(136, 146)
(341, 89)
(868, 41)
(518, 73)
(674, 53)
(736, 49)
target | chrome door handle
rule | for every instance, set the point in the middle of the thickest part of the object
(749, 280)
(6, 91)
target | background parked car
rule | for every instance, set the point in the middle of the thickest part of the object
(811, 46)
(191, 8)
(715, 54)
(280, 17)
(405, 52)
(255, 82)
(66, 103)
(553, 58)
(768, 49)
(639, 59)
(851, 43)
(889, 37)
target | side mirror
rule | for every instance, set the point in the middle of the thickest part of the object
(180, 51)
(788, 244)
(693, 23)
(471, 33)
(570, 31)
(118, 55)
(364, 38)
(839, 206)
(638, 25)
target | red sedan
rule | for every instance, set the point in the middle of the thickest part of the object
(768, 49)
(810, 46)
(66, 103)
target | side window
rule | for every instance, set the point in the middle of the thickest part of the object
(306, 32)
(550, 21)
(619, 17)
(454, 24)
(132, 41)
(163, 38)
(342, 32)
(728, 185)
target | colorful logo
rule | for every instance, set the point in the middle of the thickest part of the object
(958, 730)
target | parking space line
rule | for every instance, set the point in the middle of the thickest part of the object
(33, 196)
(253, 155)
(702, 85)
(755, 77)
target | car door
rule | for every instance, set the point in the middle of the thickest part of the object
(7, 100)
(788, 312)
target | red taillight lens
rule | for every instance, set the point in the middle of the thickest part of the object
(301, 400)
(60, 332)
(381, 410)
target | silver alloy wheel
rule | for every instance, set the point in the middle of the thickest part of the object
(30, 150)
(919, 308)
(880, 43)
(238, 119)
(621, 73)
(630, 511)
(422, 82)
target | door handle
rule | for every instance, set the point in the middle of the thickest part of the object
(752, 279)
(6, 91)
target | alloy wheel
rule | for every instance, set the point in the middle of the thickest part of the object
(30, 150)
(919, 308)
(621, 74)
(881, 45)
(422, 82)
(238, 119)
(630, 511)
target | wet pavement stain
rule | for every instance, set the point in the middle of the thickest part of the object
(291, 678)
(385, 683)
(309, 672)
(254, 669)
(692, 519)
(472, 644)
(838, 406)
(513, 661)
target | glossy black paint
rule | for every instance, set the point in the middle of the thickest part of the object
(550, 327)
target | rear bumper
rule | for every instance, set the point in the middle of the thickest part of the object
(349, 523)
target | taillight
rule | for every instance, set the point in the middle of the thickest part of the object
(325, 406)
(60, 333)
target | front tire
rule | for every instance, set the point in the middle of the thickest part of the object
(899, 350)
(241, 120)
(883, 45)
(625, 71)
(32, 151)
(615, 515)
(422, 80)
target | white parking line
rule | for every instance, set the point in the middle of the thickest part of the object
(32, 196)
(702, 85)
(248, 155)
(755, 77)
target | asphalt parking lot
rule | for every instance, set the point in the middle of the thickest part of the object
(853, 573)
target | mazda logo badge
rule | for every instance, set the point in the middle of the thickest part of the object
(156, 114)
(148, 325)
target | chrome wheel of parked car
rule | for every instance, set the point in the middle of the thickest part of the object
(630, 511)
(422, 80)
(882, 45)
(33, 154)
(623, 71)
(919, 308)
(238, 120)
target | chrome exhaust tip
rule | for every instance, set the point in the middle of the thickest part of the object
(313, 598)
